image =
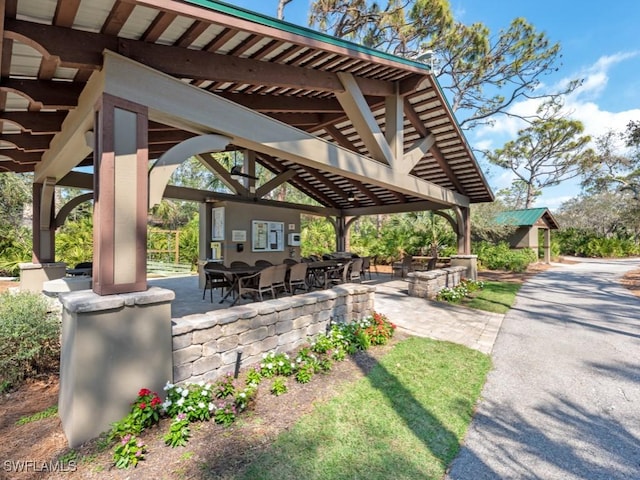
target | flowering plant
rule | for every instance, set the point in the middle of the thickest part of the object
(146, 408)
(224, 388)
(377, 329)
(145, 412)
(195, 400)
(225, 413)
(128, 452)
(179, 431)
(276, 364)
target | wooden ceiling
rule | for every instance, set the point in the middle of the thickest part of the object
(290, 73)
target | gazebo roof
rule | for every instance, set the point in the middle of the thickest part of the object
(286, 72)
(527, 217)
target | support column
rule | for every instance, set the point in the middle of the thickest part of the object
(341, 230)
(120, 197)
(112, 346)
(43, 228)
(466, 230)
(547, 246)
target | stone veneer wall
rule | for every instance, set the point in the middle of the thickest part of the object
(206, 346)
(428, 284)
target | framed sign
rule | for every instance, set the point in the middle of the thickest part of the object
(267, 236)
(238, 235)
(217, 223)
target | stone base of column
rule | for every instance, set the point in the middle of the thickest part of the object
(112, 346)
(470, 262)
(33, 275)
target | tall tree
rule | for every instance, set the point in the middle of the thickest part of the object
(281, 5)
(616, 167)
(484, 74)
(548, 151)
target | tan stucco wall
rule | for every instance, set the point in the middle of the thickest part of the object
(34, 275)
(238, 216)
(524, 237)
(112, 346)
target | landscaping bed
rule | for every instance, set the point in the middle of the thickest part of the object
(214, 451)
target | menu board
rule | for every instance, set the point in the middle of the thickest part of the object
(267, 236)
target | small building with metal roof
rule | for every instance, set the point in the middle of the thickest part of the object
(529, 222)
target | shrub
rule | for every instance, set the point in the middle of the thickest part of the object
(29, 338)
(457, 293)
(502, 257)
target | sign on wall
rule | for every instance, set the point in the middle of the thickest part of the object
(267, 236)
(217, 223)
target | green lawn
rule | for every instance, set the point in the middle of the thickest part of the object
(406, 419)
(497, 297)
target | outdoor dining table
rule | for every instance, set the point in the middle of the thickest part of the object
(316, 271)
(234, 274)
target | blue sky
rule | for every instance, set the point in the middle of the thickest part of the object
(599, 45)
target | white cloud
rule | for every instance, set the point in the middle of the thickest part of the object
(582, 105)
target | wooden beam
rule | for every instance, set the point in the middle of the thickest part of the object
(415, 153)
(26, 142)
(394, 208)
(45, 93)
(275, 182)
(214, 167)
(19, 156)
(35, 122)
(173, 102)
(358, 111)
(178, 61)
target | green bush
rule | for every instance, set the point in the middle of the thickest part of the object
(502, 257)
(29, 338)
(584, 243)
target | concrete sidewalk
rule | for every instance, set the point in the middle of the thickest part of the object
(563, 399)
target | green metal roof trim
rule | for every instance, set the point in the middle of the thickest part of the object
(526, 217)
(298, 30)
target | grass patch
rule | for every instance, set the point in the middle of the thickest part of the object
(49, 412)
(497, 297)
(406, 419)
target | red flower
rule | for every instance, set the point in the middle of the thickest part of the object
(144, 392)
(143, 405)
(155, 401)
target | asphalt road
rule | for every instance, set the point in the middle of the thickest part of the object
(563, 399)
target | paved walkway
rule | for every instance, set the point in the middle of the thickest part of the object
(415, 316)
(437, 320)
(563, 399)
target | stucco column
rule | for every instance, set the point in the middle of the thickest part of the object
(43, 229)
(464, 231)
(120, 197)
(547, 245)
(112, 346)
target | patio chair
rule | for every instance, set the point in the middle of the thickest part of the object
(298, 278)
(215, 280)
(263, 263)
(403, 267)
(290, 261)
(258, 283)
(279, 278)
(81, 269)
(337, 275)
(238, 263)
(355, 272)
(366, 268)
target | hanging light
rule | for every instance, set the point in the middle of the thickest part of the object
(352, 196)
